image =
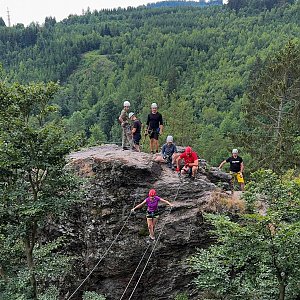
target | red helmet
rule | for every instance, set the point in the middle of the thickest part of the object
(152, 193)
(188, 150)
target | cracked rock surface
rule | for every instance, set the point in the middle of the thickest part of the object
(117, 180)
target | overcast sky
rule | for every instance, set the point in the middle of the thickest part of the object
(27, 11)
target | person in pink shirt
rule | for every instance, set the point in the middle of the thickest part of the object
(191, 162)
(152, 210)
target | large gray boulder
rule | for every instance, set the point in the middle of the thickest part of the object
(116, 181)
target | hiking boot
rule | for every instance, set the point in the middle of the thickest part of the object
(125, 148)
(152, 238)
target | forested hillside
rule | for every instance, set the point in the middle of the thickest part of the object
(170, 3)
(224, 77)
(195, 63)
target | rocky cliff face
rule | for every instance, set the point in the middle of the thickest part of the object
(116, 181)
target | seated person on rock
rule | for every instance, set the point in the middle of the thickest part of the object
(191, 162)
(169, 153)
(152, 210)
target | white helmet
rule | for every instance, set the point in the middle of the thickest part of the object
(169, 139)
(235, 151)
(154, 105)
(131, 114)
(126, 103)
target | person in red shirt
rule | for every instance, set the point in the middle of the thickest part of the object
(191, 162)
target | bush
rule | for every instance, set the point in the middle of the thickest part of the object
(92, 296)
(181, 296)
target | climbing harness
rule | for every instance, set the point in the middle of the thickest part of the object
(152, 215)
(146, 264)
(106, 252)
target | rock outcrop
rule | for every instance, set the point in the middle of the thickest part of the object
(116, 181)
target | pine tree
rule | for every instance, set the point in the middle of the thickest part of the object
(272, 111)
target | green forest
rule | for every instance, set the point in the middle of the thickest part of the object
(199, 65)
(223, 77)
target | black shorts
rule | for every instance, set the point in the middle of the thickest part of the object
(154, 133)
(152, 215)
(136, 139)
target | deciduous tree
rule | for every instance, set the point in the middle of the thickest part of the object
(34, 185)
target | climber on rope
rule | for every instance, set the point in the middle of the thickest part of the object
(152, 210)
(169, 153)
(154, 127)
(236, 168)
(191, 163)
(126, 129)
(136, 131)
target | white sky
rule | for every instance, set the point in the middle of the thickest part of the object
(27, 11)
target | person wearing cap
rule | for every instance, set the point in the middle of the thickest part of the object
(191, 163)
(136, 131)
(154, 127)
(168, 153)
(152, 210)
(126, 129)
(236, 167)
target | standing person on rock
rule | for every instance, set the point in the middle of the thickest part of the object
(191, 163)
(236, 168)
(136, 131)
(152, 210)
(154, 127)
(126, 129)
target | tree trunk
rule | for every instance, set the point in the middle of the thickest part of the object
(281, 291)
(277, 136)
(2, 274)
(279, 118)
(29, 243)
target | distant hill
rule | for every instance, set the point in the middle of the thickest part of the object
(185, 3)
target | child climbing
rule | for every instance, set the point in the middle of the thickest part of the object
(152, 210)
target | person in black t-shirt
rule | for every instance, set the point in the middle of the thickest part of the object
(154, 127)
(236, 167)
(136, 131)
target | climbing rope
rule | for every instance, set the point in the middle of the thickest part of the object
(135, 271)
(149, 257)
(161, 230)
(106, 252)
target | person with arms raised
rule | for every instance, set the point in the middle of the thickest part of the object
(152, 210)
